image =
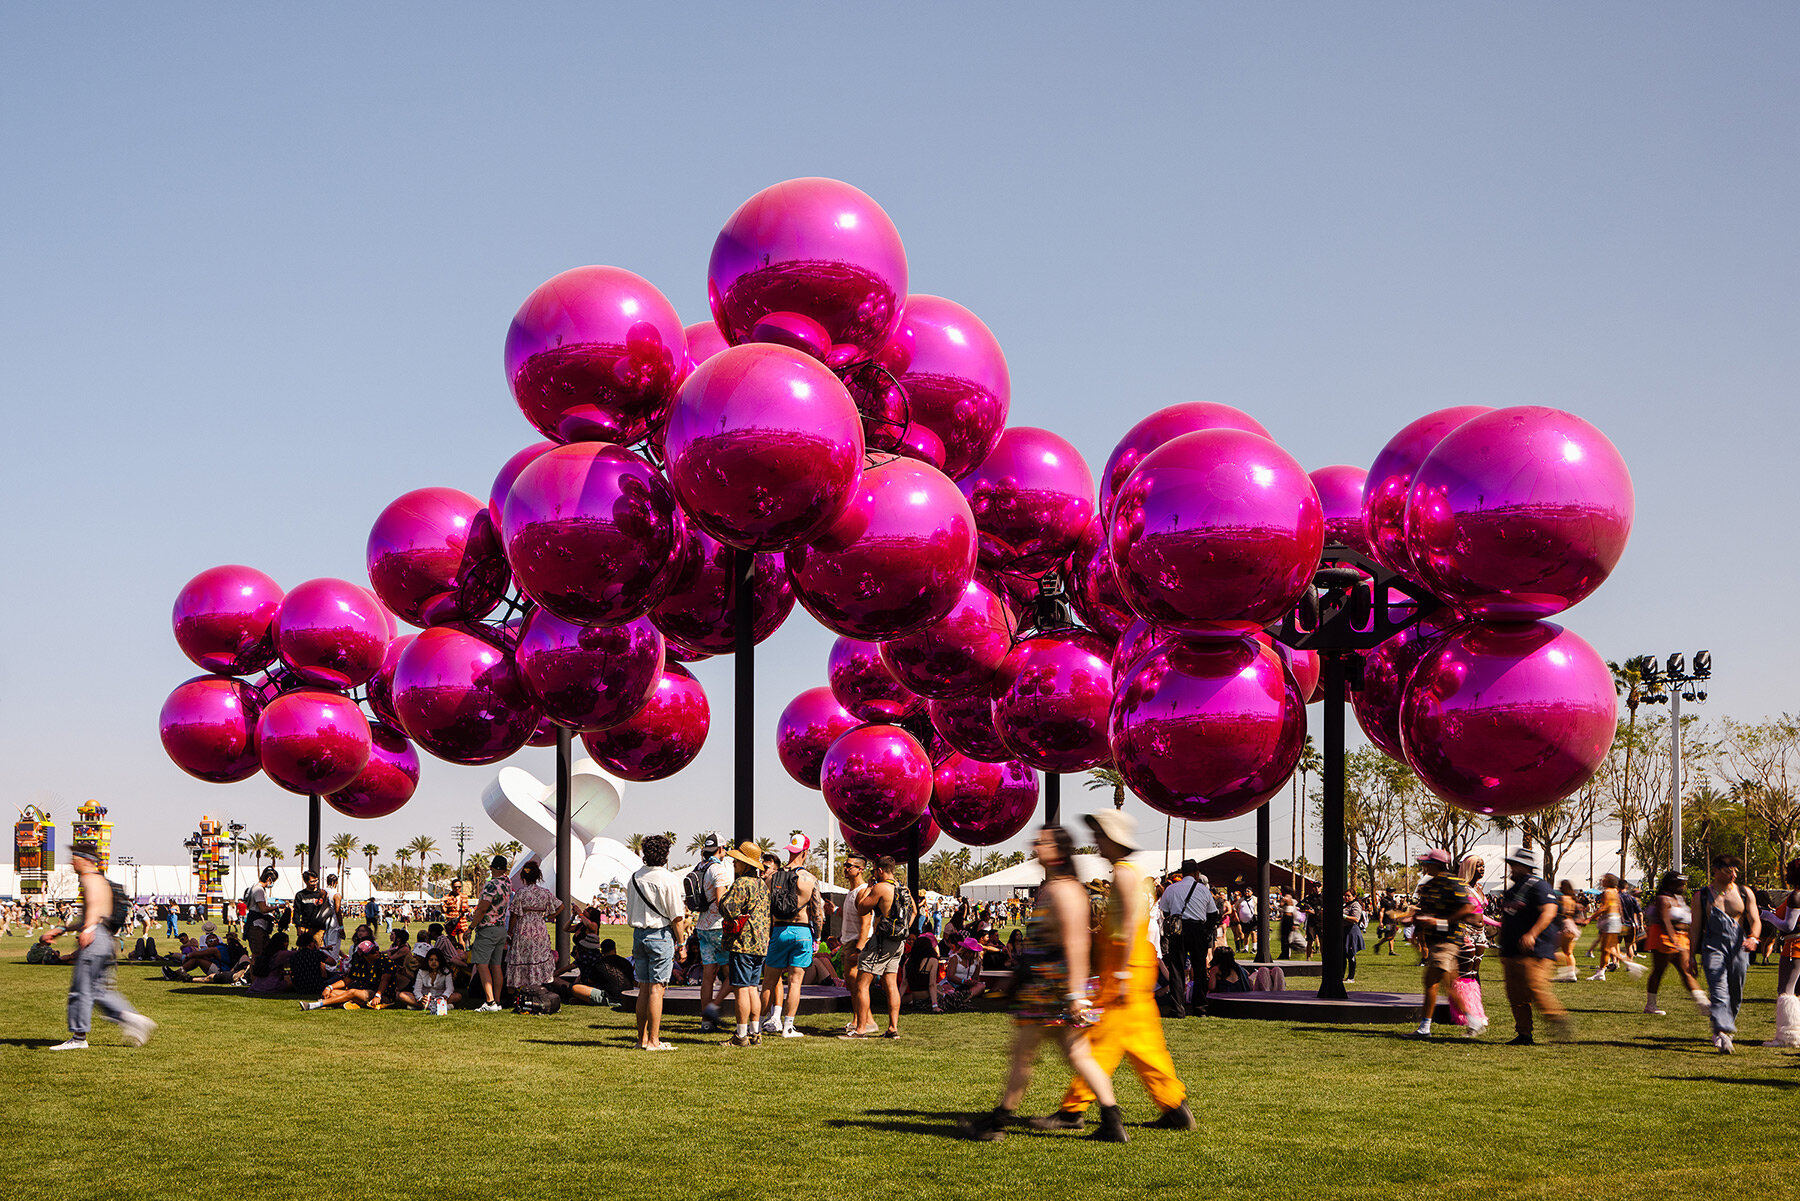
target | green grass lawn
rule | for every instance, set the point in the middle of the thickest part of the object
(276, 1103)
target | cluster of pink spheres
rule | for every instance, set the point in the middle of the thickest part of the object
(852, 436)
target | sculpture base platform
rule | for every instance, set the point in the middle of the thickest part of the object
(1291, 967)
(814, 998)
(1358, 1008)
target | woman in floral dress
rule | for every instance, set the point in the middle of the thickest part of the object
(530, 956)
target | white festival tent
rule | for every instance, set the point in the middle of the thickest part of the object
(177, 880)
(1154, 862)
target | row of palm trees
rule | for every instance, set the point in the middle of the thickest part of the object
(346, 847)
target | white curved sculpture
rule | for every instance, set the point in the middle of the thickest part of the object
(525, 807)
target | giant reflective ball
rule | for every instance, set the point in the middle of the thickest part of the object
(1033, 497)
(806, 729)
(311, 741)
(967, 724)
(1519, 513)
(1204, 731)
(509, 471)
(224, 619)
(958, 654)
(703, 342)
(332, 633)
(1092, 588)
(380, 692)
(1165, 425)
(764, 447)
(812, 261)
(912, 843)
(699, 611)
(954, 380)
(386, 782)
(1340, 489)
(588, 677)
(1390, 479)
(590, 530)
(895, 560)
(1051, 709)
(661, 738)
(1139, 637)
(461, 697)
(209, 729)
(1216, 534)
(876, 779)
(981, 804)
(1505, 719)
(595, 355)
(434, 556)
(1386, 671)
(863, 684)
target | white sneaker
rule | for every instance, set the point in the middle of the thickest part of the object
(138, 1030)
(1477, 1028)
(1723, 1042)
(306, 1005)
(1702, 1002)
(771, 1026)
(1635, 968)
(1599, 975)
(790, 1032)
(74, 1044)
(488, 1007)
(1651, 1009)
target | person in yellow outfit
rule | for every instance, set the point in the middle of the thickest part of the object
(1130, 1026)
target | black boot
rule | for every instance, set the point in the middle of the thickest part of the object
(1062, 1119)
(989, 1127)
(1112, 1126)
(1179, 1118)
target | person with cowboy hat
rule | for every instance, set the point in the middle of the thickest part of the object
(1528, 938)
(1130, 1027)
(745, 908)
(1441, 908)
(793, 897)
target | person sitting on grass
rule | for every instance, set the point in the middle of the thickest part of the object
(432, 984)
(268, 971)
(822, 970)
(919, 975)
(1228, 975)
(307, 965)
(397, 971)
(44, 951)
(962, 979)
(360, 984)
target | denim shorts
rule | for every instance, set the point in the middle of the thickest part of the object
(653, 955)
(789, 946)
(712, 946)
(746, 970)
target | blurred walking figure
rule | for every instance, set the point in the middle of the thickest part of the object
(1567, 930)
(1529, 935)
(1610, 916)
(1727, 927)
(104, 911)
(1787, 928)
(1667, 937)
(1442, 908)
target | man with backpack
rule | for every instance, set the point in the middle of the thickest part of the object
(893, 909)
(1190, 915)
(701, 889)
(259, 914)
(793, 899)
(104, 911)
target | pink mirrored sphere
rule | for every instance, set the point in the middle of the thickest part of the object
(661, 738)
(703, 342)
(1519, 513)
(1390, 479)
(954, 378)
(764, 447)
(699, 611)
(1304, 666)
(896, 560)
(1340, 491)
(1054, 692)
(386, 782)
(967, 724)
(958, 654)
(1216, 534)
(1205, 731)
(1386, 671)
(1165, 425)
(331, 632)
(209, 729)
(595, 355)
(588, 677)
(1092, 588)
(1505, 719)
(590, 530)
(1033, 498)
(224, 619)
(882, 402)
(461, 697)
(914, 842)
(981, 804)
(876, 779)
(434, 556)
(1138, 638)
(814, 259)
(380, 693)
(863, 684)
(312, 741)
(509, 471)
(808, 726)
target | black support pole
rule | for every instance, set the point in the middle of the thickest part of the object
(1331, 979)
(565, 887)
(312, 833)
(1262, 884)
(1052, 798)
(912, 875)
(743, 807)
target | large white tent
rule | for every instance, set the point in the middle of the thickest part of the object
(1220, 864)
(177, 880)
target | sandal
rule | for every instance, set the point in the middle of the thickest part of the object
(889, 1034)
(853, 1034)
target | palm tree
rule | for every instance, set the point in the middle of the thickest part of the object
(697, 843)
(274, 856)
(1311, 763)
(423, 848)
(636, 843)
(302, 849)
(370, 850)
(403, 856)
(1628, 681)
(340, 849)
(514, 848)
(1109, 777)
(767, 844)
(259, 845)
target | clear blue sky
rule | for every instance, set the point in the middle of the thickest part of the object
(257, 273)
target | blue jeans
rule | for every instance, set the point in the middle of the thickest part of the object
(172, 931)
(1723, 961)
(92, 985)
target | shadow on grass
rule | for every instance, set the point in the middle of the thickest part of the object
(27, 1042)
(1766, 1083)
(908, 1121)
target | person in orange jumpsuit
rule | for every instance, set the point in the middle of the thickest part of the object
(1130, 1027)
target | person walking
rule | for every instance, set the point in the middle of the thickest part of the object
(793, 900)
(1786, 925)
(1442, 906)
(1054, 1000)
(1189, 916)
(653, 910)
(487, 952)
(1667, 937)
(1728, 927)
(745, 908)
(1353, 934)
(1529, 936)
(104, 908)
(1130, 1028)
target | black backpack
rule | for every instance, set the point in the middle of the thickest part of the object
(897, 922)
(121, 908)
(784, 896)
(694, 893)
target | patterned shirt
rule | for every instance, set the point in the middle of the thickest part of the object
(494, 892)
(456, 910)
(1443, 896)
(748, 896)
